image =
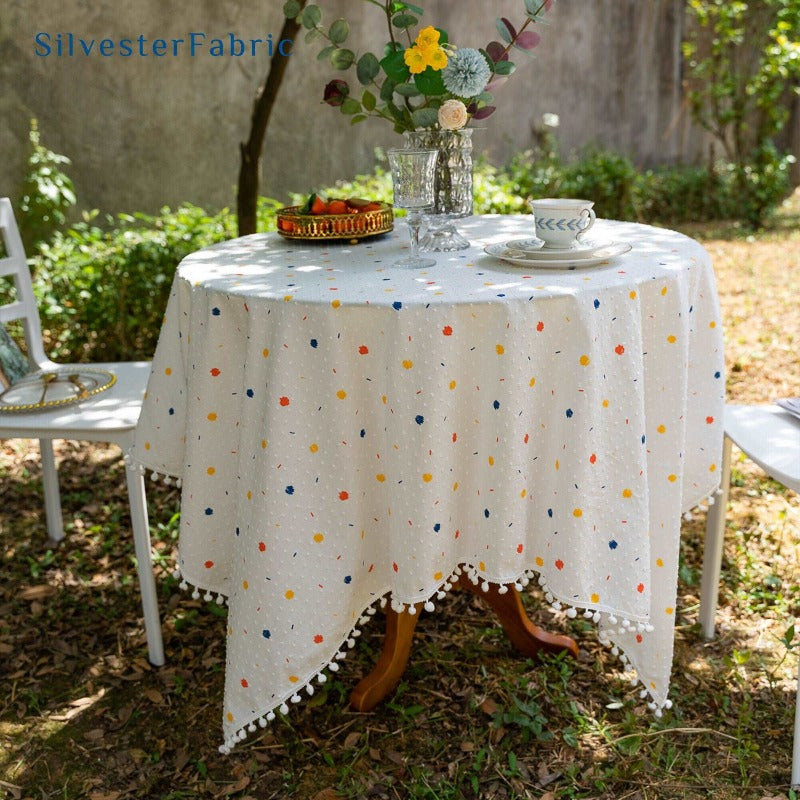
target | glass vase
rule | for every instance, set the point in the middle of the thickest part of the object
(452, 186)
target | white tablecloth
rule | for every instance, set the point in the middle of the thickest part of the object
(347, 431)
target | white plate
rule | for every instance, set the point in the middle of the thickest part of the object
(56, 388)
(536, 247)
(596, 256)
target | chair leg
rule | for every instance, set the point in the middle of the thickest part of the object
(712, 552)
(147, 583)
(52, 495)
(796, 747)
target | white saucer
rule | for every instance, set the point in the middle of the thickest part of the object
(598, 255)
(537, 248)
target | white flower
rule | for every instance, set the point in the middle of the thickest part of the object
(550, 120)
(453, 115)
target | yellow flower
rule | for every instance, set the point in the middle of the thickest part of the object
(428, 38)
(415, 60)
(437, 59)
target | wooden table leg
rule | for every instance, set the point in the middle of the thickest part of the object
(387, 672)
(528, 638)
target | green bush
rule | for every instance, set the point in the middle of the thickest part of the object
(47, 192)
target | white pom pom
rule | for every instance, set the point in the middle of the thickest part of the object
(195, 594)
(183, 585)
(668, 704)
(322, 678)
(179, 483)
(295, 698)
(503, 589)
(224, 749)
(429, 607)
(309, 690)
(525, 581)
(262, 723)
(351, 643)
(518, 587)
(284, 709)
(208, 597)
(270, 716)
(251, 728)
(659, 713)
(572, 613)
(412, 609)
(485, 586)
(612, 620)
(333, 666)
(596, 617)
(440, 595)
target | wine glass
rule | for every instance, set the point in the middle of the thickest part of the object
(413, 171)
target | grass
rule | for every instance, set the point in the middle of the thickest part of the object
(83, 715)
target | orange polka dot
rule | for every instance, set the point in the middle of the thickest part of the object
(559, 564)
(605, 404)
(619, 349)
(452, 384)
(319, 639)
(265, 352)
(663, 290)
(344, 495)
(491, 461)
(427, 477)
(287, 298)
(319, 537)
(212, 417)
(584, 360)
(313, 447)
(336, 303)
(229, 717)
(595, 597)
(147, 445)
(455, 486)
(712, 468)
(263, 444)
(669, 610)
(499, 349)
(539, 561)
(408, 363)
(659, 562)
(632, 295)
(208, 564)
(523, 493)
(293, 679)
(712, 324)
(577, 512)
(245, 585)
(661, 429)
(482, 566)
(211, 470)
(671, 339)
(380, 477)
(168, 371)
(532, 382)
(437, 576)
(341, 394)
(284, 401)
(672, 478)
(627, 493)
(289, 594)
(262, 546)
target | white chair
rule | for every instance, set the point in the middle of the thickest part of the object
(110, 416)
(770, 437)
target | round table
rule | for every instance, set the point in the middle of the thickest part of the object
(347, 431)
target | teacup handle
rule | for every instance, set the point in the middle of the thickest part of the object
(587, 213)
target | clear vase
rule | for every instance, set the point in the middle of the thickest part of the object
(452, 187)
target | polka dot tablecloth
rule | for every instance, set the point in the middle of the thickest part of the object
(347, 432)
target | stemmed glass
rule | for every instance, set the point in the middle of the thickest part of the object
(413, 171)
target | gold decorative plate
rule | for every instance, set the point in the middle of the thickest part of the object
(326, 227)
(53, 389)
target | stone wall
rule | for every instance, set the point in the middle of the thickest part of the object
(143, 132)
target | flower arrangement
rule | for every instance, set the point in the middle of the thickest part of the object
(427, 82)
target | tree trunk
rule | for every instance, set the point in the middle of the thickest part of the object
(250, 151)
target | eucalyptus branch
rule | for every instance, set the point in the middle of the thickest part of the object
(525, 24)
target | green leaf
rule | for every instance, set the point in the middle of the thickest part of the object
(407, 90)
(357, 118)
(403, 21)
(430, 82)
(368, 100)
(387, 90)
(291, 8)
(339, 31)
(502, 29)
(367, 68)
(325, 53)
(313, 35)
(350, 106)
(504, 67)
(311, 16)
(342, 58)
(425, 117)
(395, 67)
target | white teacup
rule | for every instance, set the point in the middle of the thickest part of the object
(561, 224)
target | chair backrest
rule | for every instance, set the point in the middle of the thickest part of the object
(23, 308)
